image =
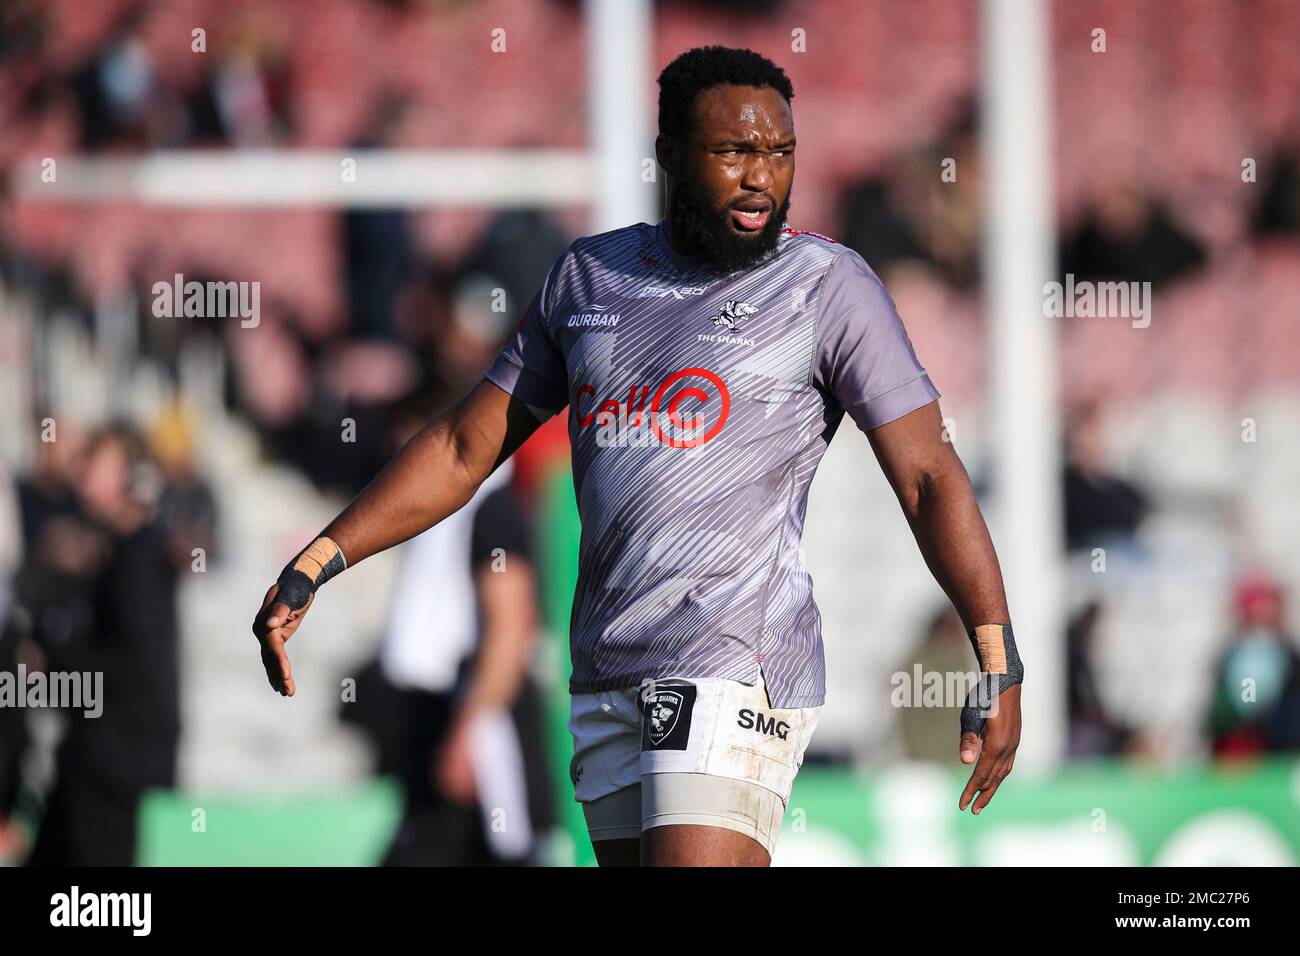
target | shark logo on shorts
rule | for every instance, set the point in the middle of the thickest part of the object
(666, 715)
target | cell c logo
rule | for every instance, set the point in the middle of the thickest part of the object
(689, 408)
(658, 409)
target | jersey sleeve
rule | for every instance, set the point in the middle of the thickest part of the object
(865, 360)
(530, 366)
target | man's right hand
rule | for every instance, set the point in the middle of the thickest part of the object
(434, 475)
(274, 625)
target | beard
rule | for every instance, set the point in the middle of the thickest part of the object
(701, 226)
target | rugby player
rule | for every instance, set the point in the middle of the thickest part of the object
(706, 361)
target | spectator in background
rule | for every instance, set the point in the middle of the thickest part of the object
(1278, 213)
(474, 330)
(1100, 507)
(494, 285)
(1093, 732)
(378, 248)
(52, 606)
(105, 764)
(1127, 236)
(242, 98)
(459, 724)
(23, 32)
(187, 510)
(518, 248)
(311, 400)
(62, 551)
(49, 491)
(1255, 706)
(119, 99)
(924, 207)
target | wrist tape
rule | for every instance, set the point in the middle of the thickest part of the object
(314, 565)
(1000, 668)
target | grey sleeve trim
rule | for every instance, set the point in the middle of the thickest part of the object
(892, 388)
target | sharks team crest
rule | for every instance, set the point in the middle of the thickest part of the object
(666, 715)
(731, 314)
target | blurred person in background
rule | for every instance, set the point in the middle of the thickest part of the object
(242, 98)
(187, 508)
(913, 211)
(480, 297)
(459, 723)
(48, 493)
(119, 97)
(305, 397)
(1278, 213)
(474, 330)
(517, 250)
(1101, 508)
(61, 554)
(105, 763)
(378, 244)
(1126, 235)
(1093, 731)
(1255, 708)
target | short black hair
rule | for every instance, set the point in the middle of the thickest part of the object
(705, 67)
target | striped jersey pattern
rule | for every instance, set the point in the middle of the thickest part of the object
(699, 406)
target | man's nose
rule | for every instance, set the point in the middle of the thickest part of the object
(758, 176)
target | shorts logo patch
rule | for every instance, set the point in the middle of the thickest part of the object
(749, 720)
(666, 715)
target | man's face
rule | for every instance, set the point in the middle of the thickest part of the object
(733, 175)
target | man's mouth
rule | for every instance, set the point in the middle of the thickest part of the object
(751, 217)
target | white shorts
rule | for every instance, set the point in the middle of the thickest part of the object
(710, 751)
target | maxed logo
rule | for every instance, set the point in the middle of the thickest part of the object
(686, 409)
(677, 292)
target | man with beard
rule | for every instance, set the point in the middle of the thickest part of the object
(707, 361)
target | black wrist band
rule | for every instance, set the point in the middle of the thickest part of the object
(1000, 668)
(313, 566)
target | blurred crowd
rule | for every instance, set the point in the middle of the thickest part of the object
(106, 521)
(917, 230)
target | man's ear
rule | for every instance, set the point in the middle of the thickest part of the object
(666, 154)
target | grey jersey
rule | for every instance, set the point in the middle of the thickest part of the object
(699, 408)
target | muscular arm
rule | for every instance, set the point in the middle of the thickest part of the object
(433, 476)
(939, 503)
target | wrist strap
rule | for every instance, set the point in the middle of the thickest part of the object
(1000, 668)
(314, 565)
